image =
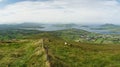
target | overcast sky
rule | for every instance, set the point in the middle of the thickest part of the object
(60, 11)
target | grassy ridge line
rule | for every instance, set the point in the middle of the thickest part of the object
(23, 53)
(39, 56)
(46, 53)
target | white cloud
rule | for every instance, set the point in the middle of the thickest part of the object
(1, 0)
(82, 11)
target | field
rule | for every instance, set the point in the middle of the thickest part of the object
(63, 48)
(23, 53)
(83, 55)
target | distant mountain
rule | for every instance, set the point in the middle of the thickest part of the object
(110, 25)
(22, 25)
(71, 34)
(111, 28)
(66, 25)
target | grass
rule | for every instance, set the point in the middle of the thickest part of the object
(28, 53)
(83, 55)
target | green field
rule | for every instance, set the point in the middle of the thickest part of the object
(32, 48)
(23, 53)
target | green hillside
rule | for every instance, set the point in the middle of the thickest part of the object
(109, 27)
(63, 48)
(23, 53)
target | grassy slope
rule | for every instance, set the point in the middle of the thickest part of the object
(75, 35)
(83, 55)
(79, 54)
(60, 55)
(29, 53)
(24, 53)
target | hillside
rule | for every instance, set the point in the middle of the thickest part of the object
(113, 29)
(21, 26)
(75, 54)
(109, 25)
(83, 36)
(51, 51)
(23, 53)
(65, 25)
(62, 48)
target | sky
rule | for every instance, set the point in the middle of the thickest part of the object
(60, 11)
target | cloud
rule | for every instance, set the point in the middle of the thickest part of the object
(78, 11)
(1, 0)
